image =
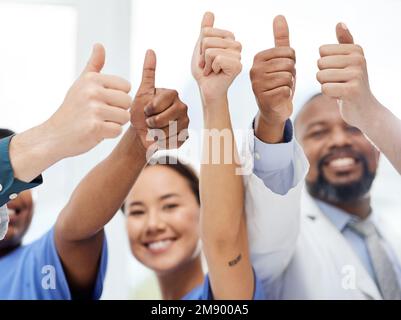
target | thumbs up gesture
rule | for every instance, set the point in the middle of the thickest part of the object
(273, 79)
(216, 60)
(95, 108)
(343, 75)
(158, 116)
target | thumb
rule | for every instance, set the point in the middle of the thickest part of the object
(149, 71)
(343, 34)
(97, 59)
(208, 20)
(281, 32)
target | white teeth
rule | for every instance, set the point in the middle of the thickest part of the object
(342, 162)
(159, 245)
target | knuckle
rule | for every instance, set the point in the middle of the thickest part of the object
(126, 117)
(95, 128)
(92, 92)
(359, 48)
(173, 93)
(320, 63)
(319, 77)
(322, 50)
(90, 76)
(238, 46)
(323, 88)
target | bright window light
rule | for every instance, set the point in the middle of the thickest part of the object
(37, 61)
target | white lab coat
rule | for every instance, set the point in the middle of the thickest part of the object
(297, 252)
(3, 221)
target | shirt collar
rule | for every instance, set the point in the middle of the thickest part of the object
(338, 217)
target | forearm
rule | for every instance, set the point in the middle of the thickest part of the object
(101, 193)
(221, 185)
(33, 151)
(384, 129)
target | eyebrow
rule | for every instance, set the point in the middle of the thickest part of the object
(136, 203)
(169, 195)
(166, 196)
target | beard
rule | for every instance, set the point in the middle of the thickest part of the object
(341, 193)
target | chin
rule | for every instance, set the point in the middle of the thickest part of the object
(162, 268)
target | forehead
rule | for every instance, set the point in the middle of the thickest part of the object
(156, 181)
(319, 109)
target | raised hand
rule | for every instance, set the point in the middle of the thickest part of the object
(158, 115)
(343, 75)
(95, 108)
(273, 79)
(216, 60)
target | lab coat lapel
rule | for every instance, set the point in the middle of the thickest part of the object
(389, 234)
(342, 252)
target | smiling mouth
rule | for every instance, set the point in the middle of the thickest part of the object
(342, 163)
(160, 245)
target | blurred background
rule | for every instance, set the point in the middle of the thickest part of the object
(44, 45)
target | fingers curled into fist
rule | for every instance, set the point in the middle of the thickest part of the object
(217, 58)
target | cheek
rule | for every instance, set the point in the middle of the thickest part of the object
(186, 222)
(312, 156)
(373, 160)
(134, 230)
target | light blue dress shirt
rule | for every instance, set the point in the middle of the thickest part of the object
(341, 219)
(273, 164)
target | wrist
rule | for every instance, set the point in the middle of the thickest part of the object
(35, 147)
(215, 106)
(370, 116)
(134, 146)
(269, 130)
(209, 96)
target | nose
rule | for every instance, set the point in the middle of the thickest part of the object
(154, 223)
(340, 138)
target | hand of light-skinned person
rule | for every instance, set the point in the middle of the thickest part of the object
(343, 75)
(273, 78)
(95, 108)
(216, 60)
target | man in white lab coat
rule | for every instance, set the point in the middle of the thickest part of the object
(335, 247)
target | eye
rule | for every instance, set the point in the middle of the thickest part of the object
(136, 212)
(317, 134)
(170, 206)
(353, 130)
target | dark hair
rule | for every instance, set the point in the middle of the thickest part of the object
(4, 133)
(179, 167)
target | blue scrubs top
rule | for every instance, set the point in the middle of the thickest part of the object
(34, 272)
(204, 291)
(9, 185)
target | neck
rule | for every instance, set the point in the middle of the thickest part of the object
(360, 207)
(176, 284)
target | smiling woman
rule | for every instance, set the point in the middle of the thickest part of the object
(162, 211)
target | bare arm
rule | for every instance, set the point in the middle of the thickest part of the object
(79, 229)
(383, 128)
(79, 232)
(223, 227)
